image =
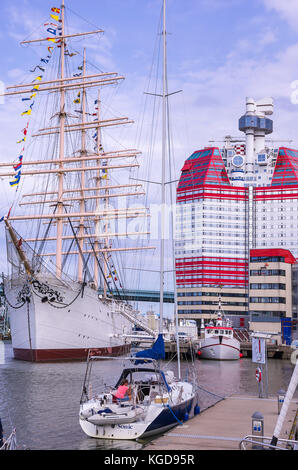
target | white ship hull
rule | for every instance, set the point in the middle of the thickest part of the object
(47, 331)
(219, 349)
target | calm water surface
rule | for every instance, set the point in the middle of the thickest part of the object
(42, 400)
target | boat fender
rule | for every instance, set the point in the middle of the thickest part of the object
(186, 416)
(197, 410)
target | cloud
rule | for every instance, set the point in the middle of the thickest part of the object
(219, 4)
(288, 10)
(22, 21)
(228, 84)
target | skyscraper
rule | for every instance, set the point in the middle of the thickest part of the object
(230, 201)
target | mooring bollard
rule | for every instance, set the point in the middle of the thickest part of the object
(280, 399)
(257, 428)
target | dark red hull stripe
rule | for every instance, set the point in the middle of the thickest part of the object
(51, 355)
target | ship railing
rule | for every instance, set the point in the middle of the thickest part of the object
(251, 442)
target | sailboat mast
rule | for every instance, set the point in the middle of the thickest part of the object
(163, 166)
(61, 151)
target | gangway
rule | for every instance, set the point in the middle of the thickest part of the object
(127, 311)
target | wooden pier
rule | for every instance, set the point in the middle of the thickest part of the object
(222, 426)
(188, 349)
(274, 351)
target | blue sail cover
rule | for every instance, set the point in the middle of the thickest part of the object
(156, 352)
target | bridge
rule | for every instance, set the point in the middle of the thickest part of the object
(142, 295)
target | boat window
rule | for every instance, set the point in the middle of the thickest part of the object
(222, 332)
(216, 332)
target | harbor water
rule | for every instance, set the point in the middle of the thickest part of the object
(42, 400)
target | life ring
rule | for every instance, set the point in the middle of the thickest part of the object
(258, 375)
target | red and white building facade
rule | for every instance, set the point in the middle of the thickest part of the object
(231, 202)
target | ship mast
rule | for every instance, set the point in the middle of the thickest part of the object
(82, 201)
(96, 220)
(61, 151)
(85, 162)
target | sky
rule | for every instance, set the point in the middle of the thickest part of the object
(219, 52)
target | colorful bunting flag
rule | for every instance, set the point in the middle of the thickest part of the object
(26, 112)
(78, 99)
(38, 67)
(70, 54)
(52, 31)
(18, 166)
(16, 180)
(51, 24)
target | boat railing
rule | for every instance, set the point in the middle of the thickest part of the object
(251, 442)
(87, 392)
(11, 442)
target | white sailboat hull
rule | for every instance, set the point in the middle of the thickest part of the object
(219, 349)
(155, 420)
(45, 331)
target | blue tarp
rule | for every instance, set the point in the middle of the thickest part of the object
(156, 352)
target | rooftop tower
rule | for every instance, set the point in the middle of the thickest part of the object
(255, 125)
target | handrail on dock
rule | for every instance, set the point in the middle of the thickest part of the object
(250, 439)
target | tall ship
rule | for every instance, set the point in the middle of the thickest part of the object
(66, 227)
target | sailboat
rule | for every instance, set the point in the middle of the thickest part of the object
(156, 403)
(157, 400)
(62, 271)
